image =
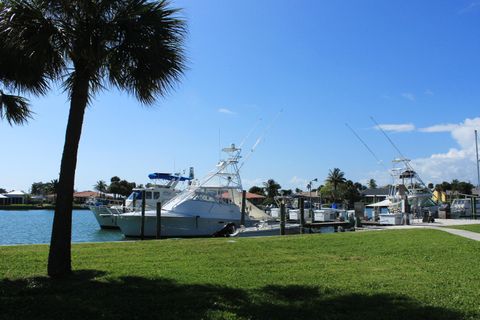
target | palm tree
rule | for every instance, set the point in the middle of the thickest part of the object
(101, 186)
(132, 45)
(335, 177)
(372, 184)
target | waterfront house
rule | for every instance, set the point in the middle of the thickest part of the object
(3, 199)
(16, 197)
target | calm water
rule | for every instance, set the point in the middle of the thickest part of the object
(35, 226)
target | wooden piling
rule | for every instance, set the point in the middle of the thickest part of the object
(142, 229)
(302, 214)
(282, 219)
(244, 199)
(159, 219)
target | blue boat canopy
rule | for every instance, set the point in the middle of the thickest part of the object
(166, 176)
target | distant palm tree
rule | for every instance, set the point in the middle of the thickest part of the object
(335, 177)
(101, 186)
(132, 45)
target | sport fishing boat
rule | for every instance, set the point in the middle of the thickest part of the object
(203, 209)
(164, 188)
(408, 198)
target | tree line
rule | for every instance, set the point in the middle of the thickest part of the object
(117, 186)
(336, 189)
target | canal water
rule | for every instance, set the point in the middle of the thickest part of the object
(35, 226)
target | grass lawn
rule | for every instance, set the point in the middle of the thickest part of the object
(400, 274)
(468, 227)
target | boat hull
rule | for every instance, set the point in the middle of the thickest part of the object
(172, 226)
(104, 217)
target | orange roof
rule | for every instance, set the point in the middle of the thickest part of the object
(86, 194)
(254, 196)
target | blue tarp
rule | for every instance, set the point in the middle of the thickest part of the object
(166, 176)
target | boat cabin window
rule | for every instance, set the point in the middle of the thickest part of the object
(148, 195)
(156, 195)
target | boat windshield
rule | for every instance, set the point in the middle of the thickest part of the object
(212, 195)
(137, 195)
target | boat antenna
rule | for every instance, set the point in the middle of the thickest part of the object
(478, 160)
(260, 138)
(377, 126)
(255, 126)
(380, 162)
(219, 146)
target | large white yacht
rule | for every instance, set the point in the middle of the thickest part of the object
(203, 209)
(163, 189)
(408, 194)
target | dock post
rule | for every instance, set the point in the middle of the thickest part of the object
(282, 219)
(302, 214)
(142, 228)
(159, 217)
(244, 199)
(123, 206)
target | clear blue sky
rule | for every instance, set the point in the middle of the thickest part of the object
(411, 64)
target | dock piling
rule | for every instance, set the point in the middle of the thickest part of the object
(159, 219)
(242, 218)
(302, 214)
(123, 206)
(142, 228)
(282, 219)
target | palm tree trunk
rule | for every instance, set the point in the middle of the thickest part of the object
(59, 258)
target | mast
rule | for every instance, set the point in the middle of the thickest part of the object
(477, 160)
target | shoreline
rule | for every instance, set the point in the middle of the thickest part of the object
(14, 207)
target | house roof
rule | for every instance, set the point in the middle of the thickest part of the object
(254, 196)
(15, 193)
(306, 194)
(86, 194)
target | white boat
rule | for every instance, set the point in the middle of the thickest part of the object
(408, 198)
(203, 209)
(164, 188)
(462, 208)
(267, 229)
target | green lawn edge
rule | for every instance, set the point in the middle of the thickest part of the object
(395, 274)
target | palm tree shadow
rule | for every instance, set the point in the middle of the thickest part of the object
(91, 294)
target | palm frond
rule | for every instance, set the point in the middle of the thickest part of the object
(146, 55)
(29, 46)
(14, 109)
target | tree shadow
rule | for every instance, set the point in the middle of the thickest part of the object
(88, 294)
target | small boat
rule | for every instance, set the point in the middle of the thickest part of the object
(164, 188)
(205, 208)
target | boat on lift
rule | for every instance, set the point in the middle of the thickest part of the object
(205, 208)
(163, 188)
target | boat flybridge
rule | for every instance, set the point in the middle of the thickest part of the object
(408, 195)
(203, 209)
(163, 188)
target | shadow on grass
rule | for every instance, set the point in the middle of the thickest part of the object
(88, 296)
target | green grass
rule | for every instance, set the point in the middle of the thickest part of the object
(402, 274)
(468, 227)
